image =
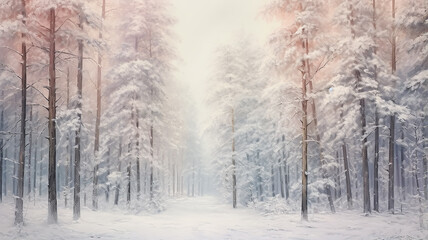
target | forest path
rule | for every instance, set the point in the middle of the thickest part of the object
(203, 218)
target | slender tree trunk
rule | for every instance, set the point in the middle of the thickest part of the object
(5, 173)
(116, 195)
(281, 178)
(40, 174)
(287, 183)
(376, 156)
(272, 180)
(286, 173)
(76, 202)
(30, 144)
(67, 171)
(52, 201)
(1, 150)
(19, 208)
(366, 185)
(128, 169)
(128, 192)
(98, 121)
(138, 155)
(233, 162)
(35, 170)
(304, 143)
(347, 176)
(392, 123)
(403, 179)
(173, 179)
(151, 162)
(108, 174)
(376, 165)
(425, 159)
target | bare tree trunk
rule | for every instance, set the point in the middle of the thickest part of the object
(35, 171)
(366, 185)
(52, 201)
(392, 123)
(272, 180)
(41, 173)
(281, 178)
(30, 144)
(128, 195)
(67, 171)
(116, 195)
(287, 183)
(376, 157)
(286, 173)
(425, 160)
(403, 181)
(108, 174)
(304, 142)
(1, 149)
(98, 121)
(376, 165)
(19, 207)
(173, 179)
(151, 162)
(76, 203)
(233, 161)
(347, 176)
(138, 155)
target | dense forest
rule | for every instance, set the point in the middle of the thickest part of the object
(330, 114)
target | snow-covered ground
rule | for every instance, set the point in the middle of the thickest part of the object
(205, 218)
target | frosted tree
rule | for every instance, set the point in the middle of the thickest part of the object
(302, 31)
(145, 65)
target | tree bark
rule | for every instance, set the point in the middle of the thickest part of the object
(392, 123)
(151, 162)
(304, 210)
(402, 150)
(376, 156)
(233, 161)
(116, 195)
(19, 201)
(376, 165)
(52, 200)
(76, 203)
(1, 151)
(98, 120)
(347, 176)
(35, 170)
(68, 165)
(281, 178)
(108, 174)
(128, 169)
(425, 160)
(30, 144)
(366, 185)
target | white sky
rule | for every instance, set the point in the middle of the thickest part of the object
(202, 26)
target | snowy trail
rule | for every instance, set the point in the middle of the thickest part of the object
(206, 218)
